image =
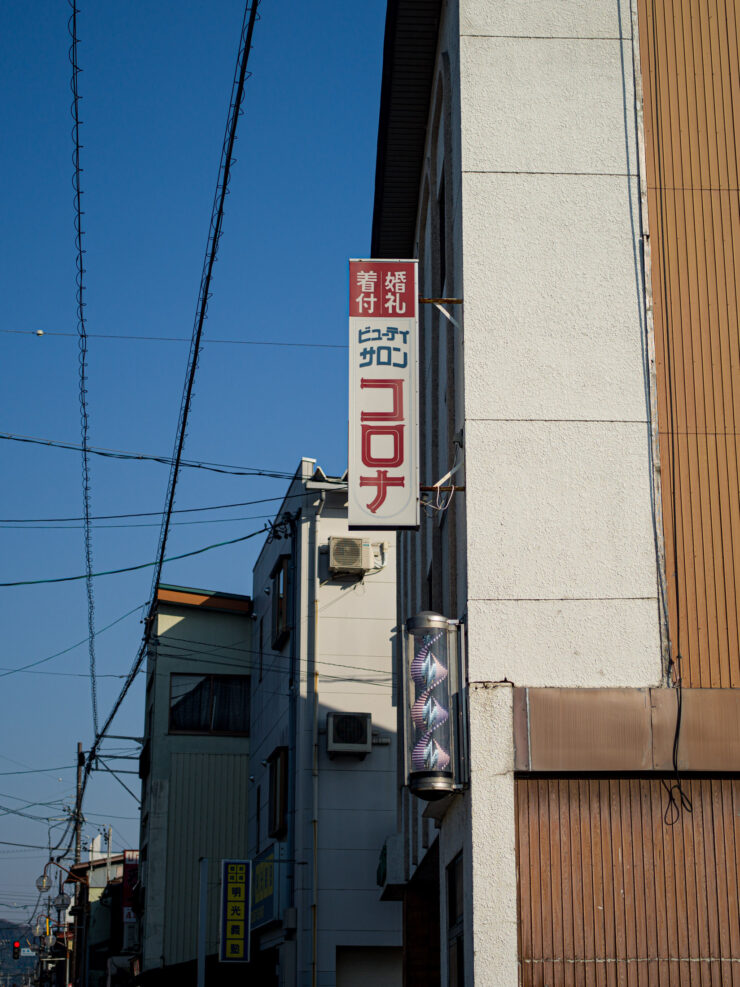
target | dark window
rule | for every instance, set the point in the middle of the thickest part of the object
(442, 220)
(280, 628)
(277, 824)
(455, 943)
(209, 704)
(262, 644)
(259, 817)
(145, 760)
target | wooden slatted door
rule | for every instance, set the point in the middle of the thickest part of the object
(610, 895)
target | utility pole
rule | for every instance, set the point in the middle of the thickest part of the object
(78, 804)
(108, 840)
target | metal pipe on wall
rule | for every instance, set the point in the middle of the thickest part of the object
(315, 745)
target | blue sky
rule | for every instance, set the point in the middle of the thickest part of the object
(155, 85)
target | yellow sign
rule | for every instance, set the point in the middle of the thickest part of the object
(236, 883)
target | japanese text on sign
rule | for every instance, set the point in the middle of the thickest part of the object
(264, 890)
(236, 883)
(383, 446)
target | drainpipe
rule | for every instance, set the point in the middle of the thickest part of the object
(293, 710)
(315, 759)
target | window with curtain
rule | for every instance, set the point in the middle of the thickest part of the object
(211, 704)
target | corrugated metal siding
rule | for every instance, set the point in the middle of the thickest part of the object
(609, 894)
(689, 53)
(408, 64)
(207, 818)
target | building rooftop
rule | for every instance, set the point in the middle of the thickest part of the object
(205, 599)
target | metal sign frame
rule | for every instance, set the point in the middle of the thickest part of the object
(383, 461)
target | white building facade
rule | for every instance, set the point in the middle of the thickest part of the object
(509, 164)
(323, 762)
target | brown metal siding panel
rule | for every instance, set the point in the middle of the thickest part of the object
(689, 51)
(612, 895)
(609, 730)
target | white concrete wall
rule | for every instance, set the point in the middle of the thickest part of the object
(562, 572)
(356, 799)
(556, 424)
(556, 565)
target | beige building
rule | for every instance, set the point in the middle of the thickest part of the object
(566, 172)
(195, 775)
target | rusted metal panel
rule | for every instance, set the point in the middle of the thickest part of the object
(691, 73)
(521, 730)
(628, 900)
(602, 730)
(588, 729)
(710, 729)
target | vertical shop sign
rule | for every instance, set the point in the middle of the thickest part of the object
(128, 896)
(264, 888)
(383, 394)
(236, 884)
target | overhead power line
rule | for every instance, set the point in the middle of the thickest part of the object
(167, 460)
(144, 524)
(37, 771)
(131, 568)
(176, 510)
(82, 335)
(40, 333)
(214, 235)
(212, 243)
(28, 846)
(64, 651)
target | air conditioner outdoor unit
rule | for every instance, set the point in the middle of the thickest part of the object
(349, 733)
(351, 555)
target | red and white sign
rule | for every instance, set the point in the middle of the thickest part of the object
(130, 877)
(383, 394)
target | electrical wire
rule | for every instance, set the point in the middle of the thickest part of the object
(176, 510)
(106, 767)
(166, 460)
(64, 651)
(677, 798)
(82, 334)
(144, 524)
(214, 235)
(181, 339)
(38, 771)
(27, 846)
(132, 568)
(9, 811)
(69, 675)
(161, 641)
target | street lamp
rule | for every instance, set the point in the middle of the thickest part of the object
(62, 901)
(43, 883)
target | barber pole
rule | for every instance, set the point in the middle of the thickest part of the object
(383, 394)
